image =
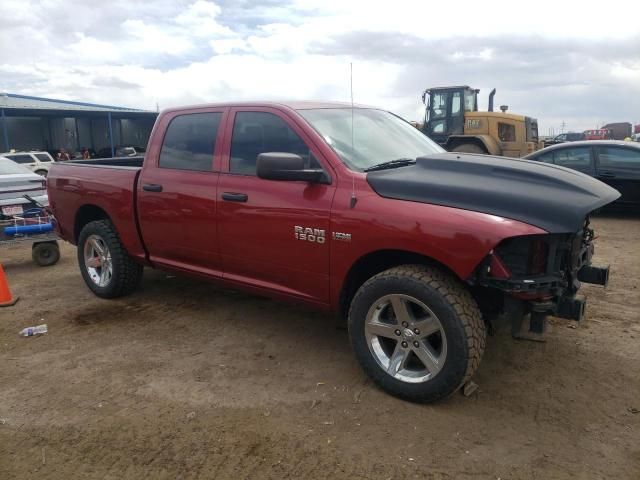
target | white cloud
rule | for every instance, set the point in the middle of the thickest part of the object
(87, 47)
(553, 61)
(200, 18)
(152, 39)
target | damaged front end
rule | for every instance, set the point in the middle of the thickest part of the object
(533, 276)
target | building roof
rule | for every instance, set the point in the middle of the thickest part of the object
(14, 101)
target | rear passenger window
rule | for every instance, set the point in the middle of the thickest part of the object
(619, 157)
(190, 142)
(21, 158)
(578, 157)
(261, 132)
(43, 157)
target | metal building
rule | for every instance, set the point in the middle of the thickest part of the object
(34, 123)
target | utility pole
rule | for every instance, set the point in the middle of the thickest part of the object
(562, 125)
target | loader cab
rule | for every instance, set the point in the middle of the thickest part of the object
(445, 109)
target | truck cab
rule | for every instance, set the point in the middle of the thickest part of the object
(452, 120)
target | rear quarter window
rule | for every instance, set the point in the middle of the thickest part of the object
(43, 157)
(546, 157)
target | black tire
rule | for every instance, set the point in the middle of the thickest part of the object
(470, 148)
(456, 311)
(45, 254)
(126, 274)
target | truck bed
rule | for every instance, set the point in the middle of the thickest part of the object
(83, 187)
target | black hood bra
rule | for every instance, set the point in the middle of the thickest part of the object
(553, 198)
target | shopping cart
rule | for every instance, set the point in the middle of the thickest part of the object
(36, 226)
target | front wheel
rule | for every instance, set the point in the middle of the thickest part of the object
(417, 332)
(104, 263)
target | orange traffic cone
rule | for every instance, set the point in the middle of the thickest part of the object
(6, 299)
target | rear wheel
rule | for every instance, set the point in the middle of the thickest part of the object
(417, 332)
(470, 148)
(104, 263)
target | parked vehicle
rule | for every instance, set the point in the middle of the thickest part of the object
(598, 134)
(452, 120)
(122, 151)
(23, 214)
(610, 161)
(565, 137)
(38, 162)
(16, 181)
(618, 130)
(344, 209)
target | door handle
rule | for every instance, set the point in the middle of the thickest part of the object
(607, 175)
(152, 187)
(235, 197)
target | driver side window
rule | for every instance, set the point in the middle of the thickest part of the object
(262, 132)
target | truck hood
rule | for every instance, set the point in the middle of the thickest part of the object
(550, 197)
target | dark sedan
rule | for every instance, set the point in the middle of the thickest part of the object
(613, 162)
(565, 137)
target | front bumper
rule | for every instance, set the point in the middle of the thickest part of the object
(531, 298)
(549, 285)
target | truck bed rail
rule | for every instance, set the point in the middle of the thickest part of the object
(121, 162)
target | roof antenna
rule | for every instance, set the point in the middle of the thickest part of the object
(354, 199)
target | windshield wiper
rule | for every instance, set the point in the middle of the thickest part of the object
(398, 162)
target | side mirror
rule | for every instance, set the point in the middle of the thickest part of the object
(287, 166)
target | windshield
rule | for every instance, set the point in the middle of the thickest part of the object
(378, 136)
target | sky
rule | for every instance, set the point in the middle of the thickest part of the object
(573, 65)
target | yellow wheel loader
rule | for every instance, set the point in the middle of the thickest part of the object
(452, 119)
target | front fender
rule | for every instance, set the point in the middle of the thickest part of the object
(456, 238)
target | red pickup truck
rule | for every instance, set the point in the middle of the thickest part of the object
(348, 209)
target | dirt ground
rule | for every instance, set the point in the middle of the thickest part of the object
(185, 380)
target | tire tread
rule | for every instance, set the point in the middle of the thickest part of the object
(460, 300)
(127, 273)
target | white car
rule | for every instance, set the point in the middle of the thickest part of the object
(38, 162)
(17, 181)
